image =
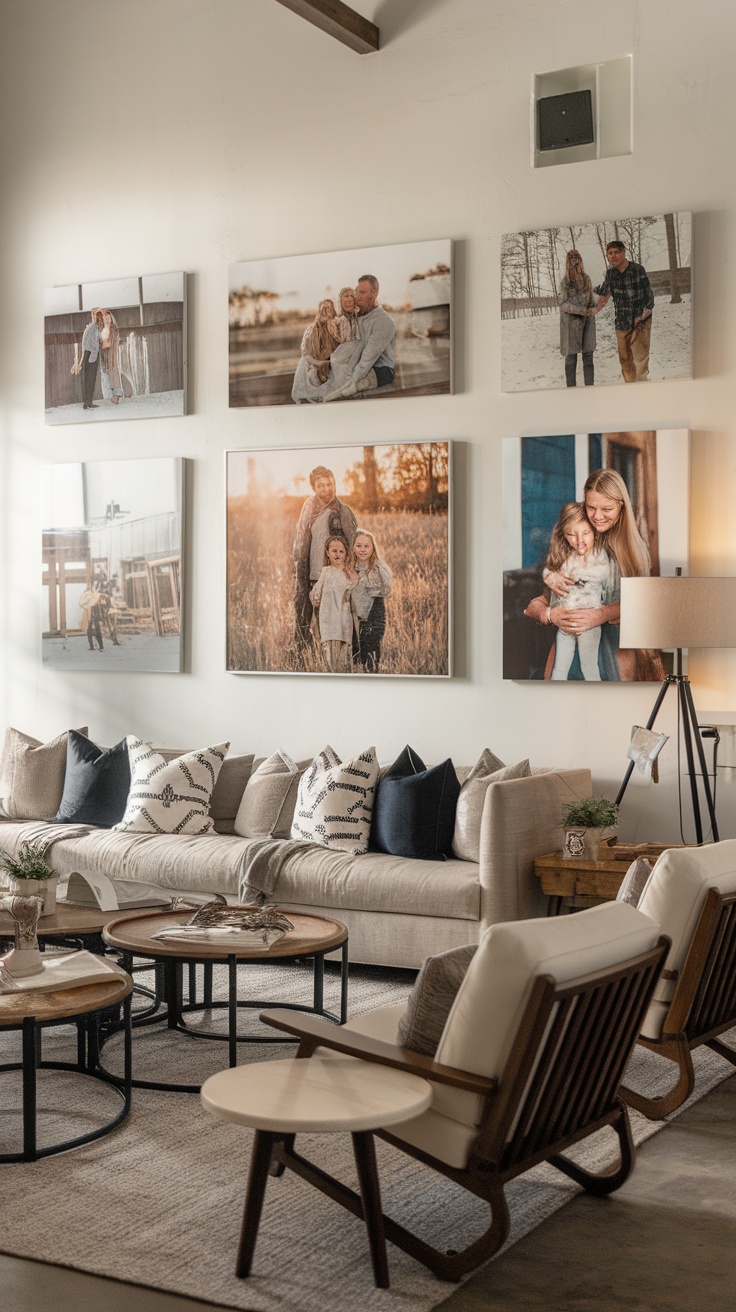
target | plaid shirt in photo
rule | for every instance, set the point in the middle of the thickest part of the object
(631, 291)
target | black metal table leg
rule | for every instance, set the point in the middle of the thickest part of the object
(232, 1000)
(29, 1089)
(344, 983)
(318, 1000)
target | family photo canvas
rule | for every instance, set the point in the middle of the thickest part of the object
(116, 349)
(338, 560)
(592, 303)
(346, 325)
(581, 511)
(112, 565)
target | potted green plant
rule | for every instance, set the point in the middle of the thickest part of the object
(588, 822)
(29, 874)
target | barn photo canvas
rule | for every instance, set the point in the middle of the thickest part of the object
(347, 325)
(112, 565)
(590, 303)
(338, 560)
(116, 349)
(579, 512)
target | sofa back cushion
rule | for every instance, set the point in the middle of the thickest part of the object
(487, 770)
(335, 802)
(490, 1002)
(674, 896)
(414, 810)
(32, 775)
(170, 797)
(96, 784)
(267, 806)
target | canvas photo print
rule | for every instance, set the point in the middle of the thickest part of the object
(592, 303)
(581, 511)
(347, 325)
(116, 349)
(338, 560)
(112, 565)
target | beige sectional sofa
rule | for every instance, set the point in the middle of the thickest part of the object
(398, 910)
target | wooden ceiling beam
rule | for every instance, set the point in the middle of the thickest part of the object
(338, 20)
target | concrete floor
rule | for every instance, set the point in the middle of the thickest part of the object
(664, 1243)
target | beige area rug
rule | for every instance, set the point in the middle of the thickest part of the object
(159, 1201)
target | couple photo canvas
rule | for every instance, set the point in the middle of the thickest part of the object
(584, 304)
(362, 324)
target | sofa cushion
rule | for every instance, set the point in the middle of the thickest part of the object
(335, 801)
(96, 784)
(429, 1003)
(414, 810)
(170, 797)
(487, 770)
(32, 775)
(674, 896)
(267, 805)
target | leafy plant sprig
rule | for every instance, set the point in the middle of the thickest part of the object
(592, 812)
(29, 862)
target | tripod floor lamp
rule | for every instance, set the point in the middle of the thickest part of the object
(680, 612)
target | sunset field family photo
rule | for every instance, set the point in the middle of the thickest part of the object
(591, 303)
(338, 560)
(346, 325)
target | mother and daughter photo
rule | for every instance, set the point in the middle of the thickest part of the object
(594, 544)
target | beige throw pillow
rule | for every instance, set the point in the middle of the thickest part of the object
(32, 775)
(487, 770)
(267, 805)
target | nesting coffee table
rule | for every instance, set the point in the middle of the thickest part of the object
(312, 938)
(31, 1012)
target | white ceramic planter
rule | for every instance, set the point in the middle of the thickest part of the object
(45, 888)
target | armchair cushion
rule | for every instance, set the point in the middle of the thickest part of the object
(485, 1016)
(674, 897)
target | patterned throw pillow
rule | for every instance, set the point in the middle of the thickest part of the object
(335, 801)
(170, 797)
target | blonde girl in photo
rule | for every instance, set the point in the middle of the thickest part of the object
(368, 600)
(330, 597)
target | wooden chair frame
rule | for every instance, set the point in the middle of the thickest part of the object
(560, 1085)
(703, 1006)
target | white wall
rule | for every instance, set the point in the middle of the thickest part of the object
(167, 134)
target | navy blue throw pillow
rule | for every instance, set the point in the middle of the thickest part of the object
(96, 784)
(414, 809)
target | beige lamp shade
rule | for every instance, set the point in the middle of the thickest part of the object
(678, 612)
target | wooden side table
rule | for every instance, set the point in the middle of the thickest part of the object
(318, 1095)
(576, 882)
(30, 1011)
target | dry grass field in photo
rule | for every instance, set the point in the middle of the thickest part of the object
(260, 616)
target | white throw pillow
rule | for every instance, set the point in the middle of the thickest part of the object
(267, 805)
(487, 770)
(170, 797)
(335, 802)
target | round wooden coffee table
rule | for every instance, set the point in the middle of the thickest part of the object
(312, 937)
(31, 1012)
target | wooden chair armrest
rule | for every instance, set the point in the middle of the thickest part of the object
(315, 1033)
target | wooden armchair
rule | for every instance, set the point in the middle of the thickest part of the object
(530, 1061)
(691, 893)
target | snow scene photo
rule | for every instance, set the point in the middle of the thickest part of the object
(591, 303)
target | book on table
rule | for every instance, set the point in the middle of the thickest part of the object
(95, 890)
